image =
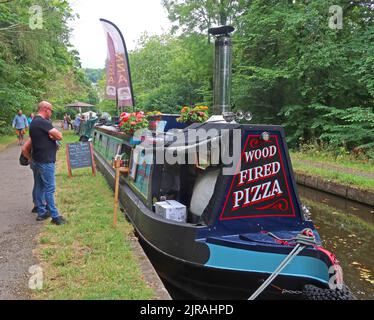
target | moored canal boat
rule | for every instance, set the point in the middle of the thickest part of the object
(243, 219)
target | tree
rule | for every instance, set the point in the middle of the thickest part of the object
(199, 15)
(37, 64)
(168, 72)
(286, 55)
(94, 75)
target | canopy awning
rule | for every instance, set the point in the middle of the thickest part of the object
(78, 104)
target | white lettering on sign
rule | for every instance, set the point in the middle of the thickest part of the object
(260, 188)
(255, 194)
(253, 174)
(258, 154)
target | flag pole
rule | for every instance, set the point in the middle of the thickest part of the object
(117, 107)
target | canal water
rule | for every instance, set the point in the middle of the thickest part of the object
(347, 229)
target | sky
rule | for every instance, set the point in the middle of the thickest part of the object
(132, 17)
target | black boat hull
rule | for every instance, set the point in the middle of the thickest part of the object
(193, 281)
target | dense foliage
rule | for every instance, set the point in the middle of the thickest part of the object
(38, 63)
(94, 75)
(169, 72)
(289, 67)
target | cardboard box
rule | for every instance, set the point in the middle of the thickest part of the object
(172, 210)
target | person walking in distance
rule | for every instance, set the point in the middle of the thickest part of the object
(29, 119)
(44, 136)
(20, 124)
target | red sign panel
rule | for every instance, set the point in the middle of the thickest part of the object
(261, 188)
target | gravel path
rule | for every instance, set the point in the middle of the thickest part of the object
(18, 227)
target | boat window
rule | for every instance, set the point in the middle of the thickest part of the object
(104, 145)
(141, 179)
(112, 148)
(99, 144)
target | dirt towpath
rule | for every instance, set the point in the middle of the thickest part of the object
(337, 168)
(18, 226)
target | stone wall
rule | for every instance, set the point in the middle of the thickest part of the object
(345, 191)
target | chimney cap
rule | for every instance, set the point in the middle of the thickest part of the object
(220, 31)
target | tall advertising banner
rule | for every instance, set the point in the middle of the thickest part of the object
(118, 85)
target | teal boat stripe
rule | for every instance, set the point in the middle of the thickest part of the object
(247, 260)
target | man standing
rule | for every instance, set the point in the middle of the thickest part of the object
(27, 152)
(44, 148)
(20, 124)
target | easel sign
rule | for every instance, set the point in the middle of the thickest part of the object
(80, 155)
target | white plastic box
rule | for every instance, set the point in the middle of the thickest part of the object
(172, 210)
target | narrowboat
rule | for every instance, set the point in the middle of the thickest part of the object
(241, 218)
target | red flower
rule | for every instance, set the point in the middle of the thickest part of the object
(125, 116)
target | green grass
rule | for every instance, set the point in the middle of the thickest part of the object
(345, 161)
(6, 141)
(336, 176)
(87, 258)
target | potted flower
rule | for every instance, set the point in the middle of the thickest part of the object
(154, 117)
(130, 122)
(196, 114)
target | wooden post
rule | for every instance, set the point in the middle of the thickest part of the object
(117, 164)
(68, 161)
(93, 160)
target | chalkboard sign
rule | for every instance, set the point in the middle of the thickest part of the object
(80, 155)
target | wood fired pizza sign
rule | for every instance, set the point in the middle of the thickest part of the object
(261, 188)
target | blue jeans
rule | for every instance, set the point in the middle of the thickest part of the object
(45, 188)
(35, 187)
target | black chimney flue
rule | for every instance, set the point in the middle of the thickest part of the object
(222, 69)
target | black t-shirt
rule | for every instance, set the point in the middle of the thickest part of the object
(43, 147)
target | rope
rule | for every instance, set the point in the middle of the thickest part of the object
(303, 239)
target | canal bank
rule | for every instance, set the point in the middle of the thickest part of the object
(345, 191)
(344, 176)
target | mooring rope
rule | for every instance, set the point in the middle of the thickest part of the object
(303, 239)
